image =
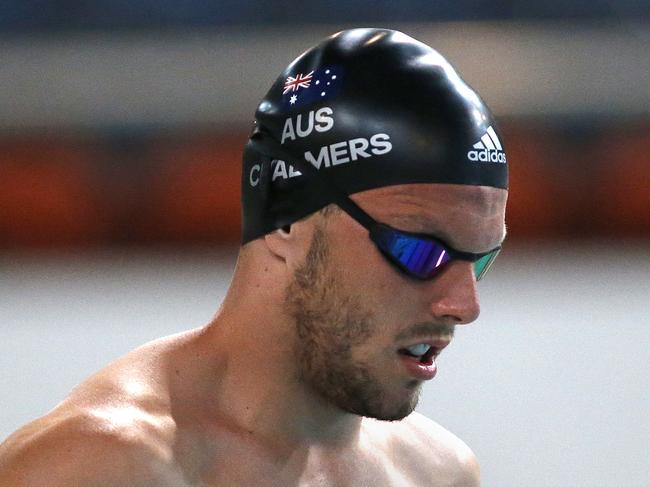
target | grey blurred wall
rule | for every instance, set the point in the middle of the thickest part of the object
(218, 76)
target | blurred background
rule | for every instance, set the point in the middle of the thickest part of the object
(121, 129)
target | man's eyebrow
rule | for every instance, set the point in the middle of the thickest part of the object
(417, 224)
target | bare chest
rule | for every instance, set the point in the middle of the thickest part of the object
(252, 473)
(243, 462)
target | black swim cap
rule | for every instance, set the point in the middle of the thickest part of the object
(365, 108)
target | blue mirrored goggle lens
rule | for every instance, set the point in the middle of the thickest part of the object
(418, 257)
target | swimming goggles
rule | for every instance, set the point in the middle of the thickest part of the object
(416, 255)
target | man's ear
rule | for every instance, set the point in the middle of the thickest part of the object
(279, 241)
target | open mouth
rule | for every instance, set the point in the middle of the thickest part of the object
(422, 352)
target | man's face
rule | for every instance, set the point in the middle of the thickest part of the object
(354, 312)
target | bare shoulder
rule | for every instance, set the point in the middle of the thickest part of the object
(114, 429)
(79, 448)
(434, 454)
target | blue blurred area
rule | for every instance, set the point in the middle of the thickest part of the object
(23, 16)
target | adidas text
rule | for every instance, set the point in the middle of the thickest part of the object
(486, 156)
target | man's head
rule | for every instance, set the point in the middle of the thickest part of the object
(379, 127)
(355, 313)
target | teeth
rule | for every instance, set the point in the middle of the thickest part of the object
(419, 349)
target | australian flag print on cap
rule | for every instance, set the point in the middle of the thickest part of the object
(303, 89)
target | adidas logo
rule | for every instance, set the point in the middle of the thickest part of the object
(489, 148)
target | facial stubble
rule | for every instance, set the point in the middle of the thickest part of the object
(330, 326)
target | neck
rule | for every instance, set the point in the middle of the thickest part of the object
(257, 387)
(260, 391)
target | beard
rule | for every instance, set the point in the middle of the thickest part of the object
(329, 326)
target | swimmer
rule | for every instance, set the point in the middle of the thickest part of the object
(374, 187)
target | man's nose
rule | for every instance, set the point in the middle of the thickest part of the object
(453, 295)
